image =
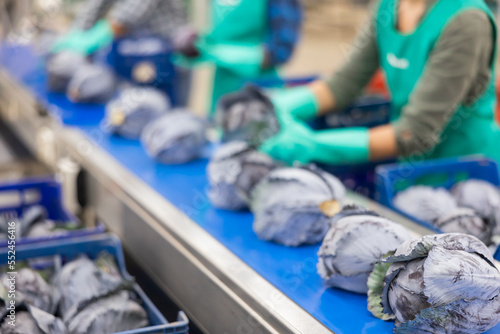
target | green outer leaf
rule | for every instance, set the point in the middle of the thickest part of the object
(375, 287)
(415, 250)
(106, 263)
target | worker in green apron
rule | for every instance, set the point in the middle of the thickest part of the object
(246, 41)
(100, 21)
(438, 59)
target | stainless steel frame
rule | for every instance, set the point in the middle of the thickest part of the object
(219, 292)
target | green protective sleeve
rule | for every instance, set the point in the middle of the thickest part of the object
(297, 143)
(341, 146)
(299, 102)
(88, 41)
(243, 60)
(67, 42)
(101, 35)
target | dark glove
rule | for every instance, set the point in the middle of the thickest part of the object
(247, 115)
(184, 42)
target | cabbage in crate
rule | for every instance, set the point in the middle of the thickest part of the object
(233, 171)
(31, 288)
(112, 313)
(31, 320)
(439, 207)
(94, 298)
(133, 109)
(464, 220)
(247, 115)
(294, 206)
(61, 67)
(425, 203)
(34, 224)
(80, 280)
(31, 216)
(175, 138)
(92, 83)
(26, 324)
(482, 197)
(46, 228)
(441, 284)
(356, 241)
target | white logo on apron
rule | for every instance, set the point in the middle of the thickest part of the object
(396, 62)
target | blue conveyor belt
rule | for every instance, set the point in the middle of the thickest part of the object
(292, 270)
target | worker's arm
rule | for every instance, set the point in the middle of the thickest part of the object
(92, 11)
(247, 59)
(362, 61)
(124, 16)
(337, 92)
(89, 32)
(461, 58)
(129, 14)
(459, 71)
(285, 18)
(459, 62)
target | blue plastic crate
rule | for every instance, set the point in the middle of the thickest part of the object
(367, 111)
(20, 195)
(360, 178)
(276, 82)
(92, 246)
(445, 173)
(132, 55)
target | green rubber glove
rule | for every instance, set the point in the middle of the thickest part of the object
(297, 143)
(299, 102)
(243, 60)
(87, 41)
(294, 143)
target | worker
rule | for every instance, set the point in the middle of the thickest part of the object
(93, 30)
(438, 59)
(247, 40)
(103, 22)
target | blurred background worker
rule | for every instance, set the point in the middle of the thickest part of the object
(90, 33)
(438, 60)
(247, 40)
(128, 22)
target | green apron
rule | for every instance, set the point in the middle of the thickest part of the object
(236, 22)
(403, 57)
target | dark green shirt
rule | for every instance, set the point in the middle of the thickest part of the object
(457, 72)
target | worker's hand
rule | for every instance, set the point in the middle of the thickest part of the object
(185, 42)
(247, 115)
(298, 102)
(241, 105)
(297, 143)
(294, 143)
(86, 41)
